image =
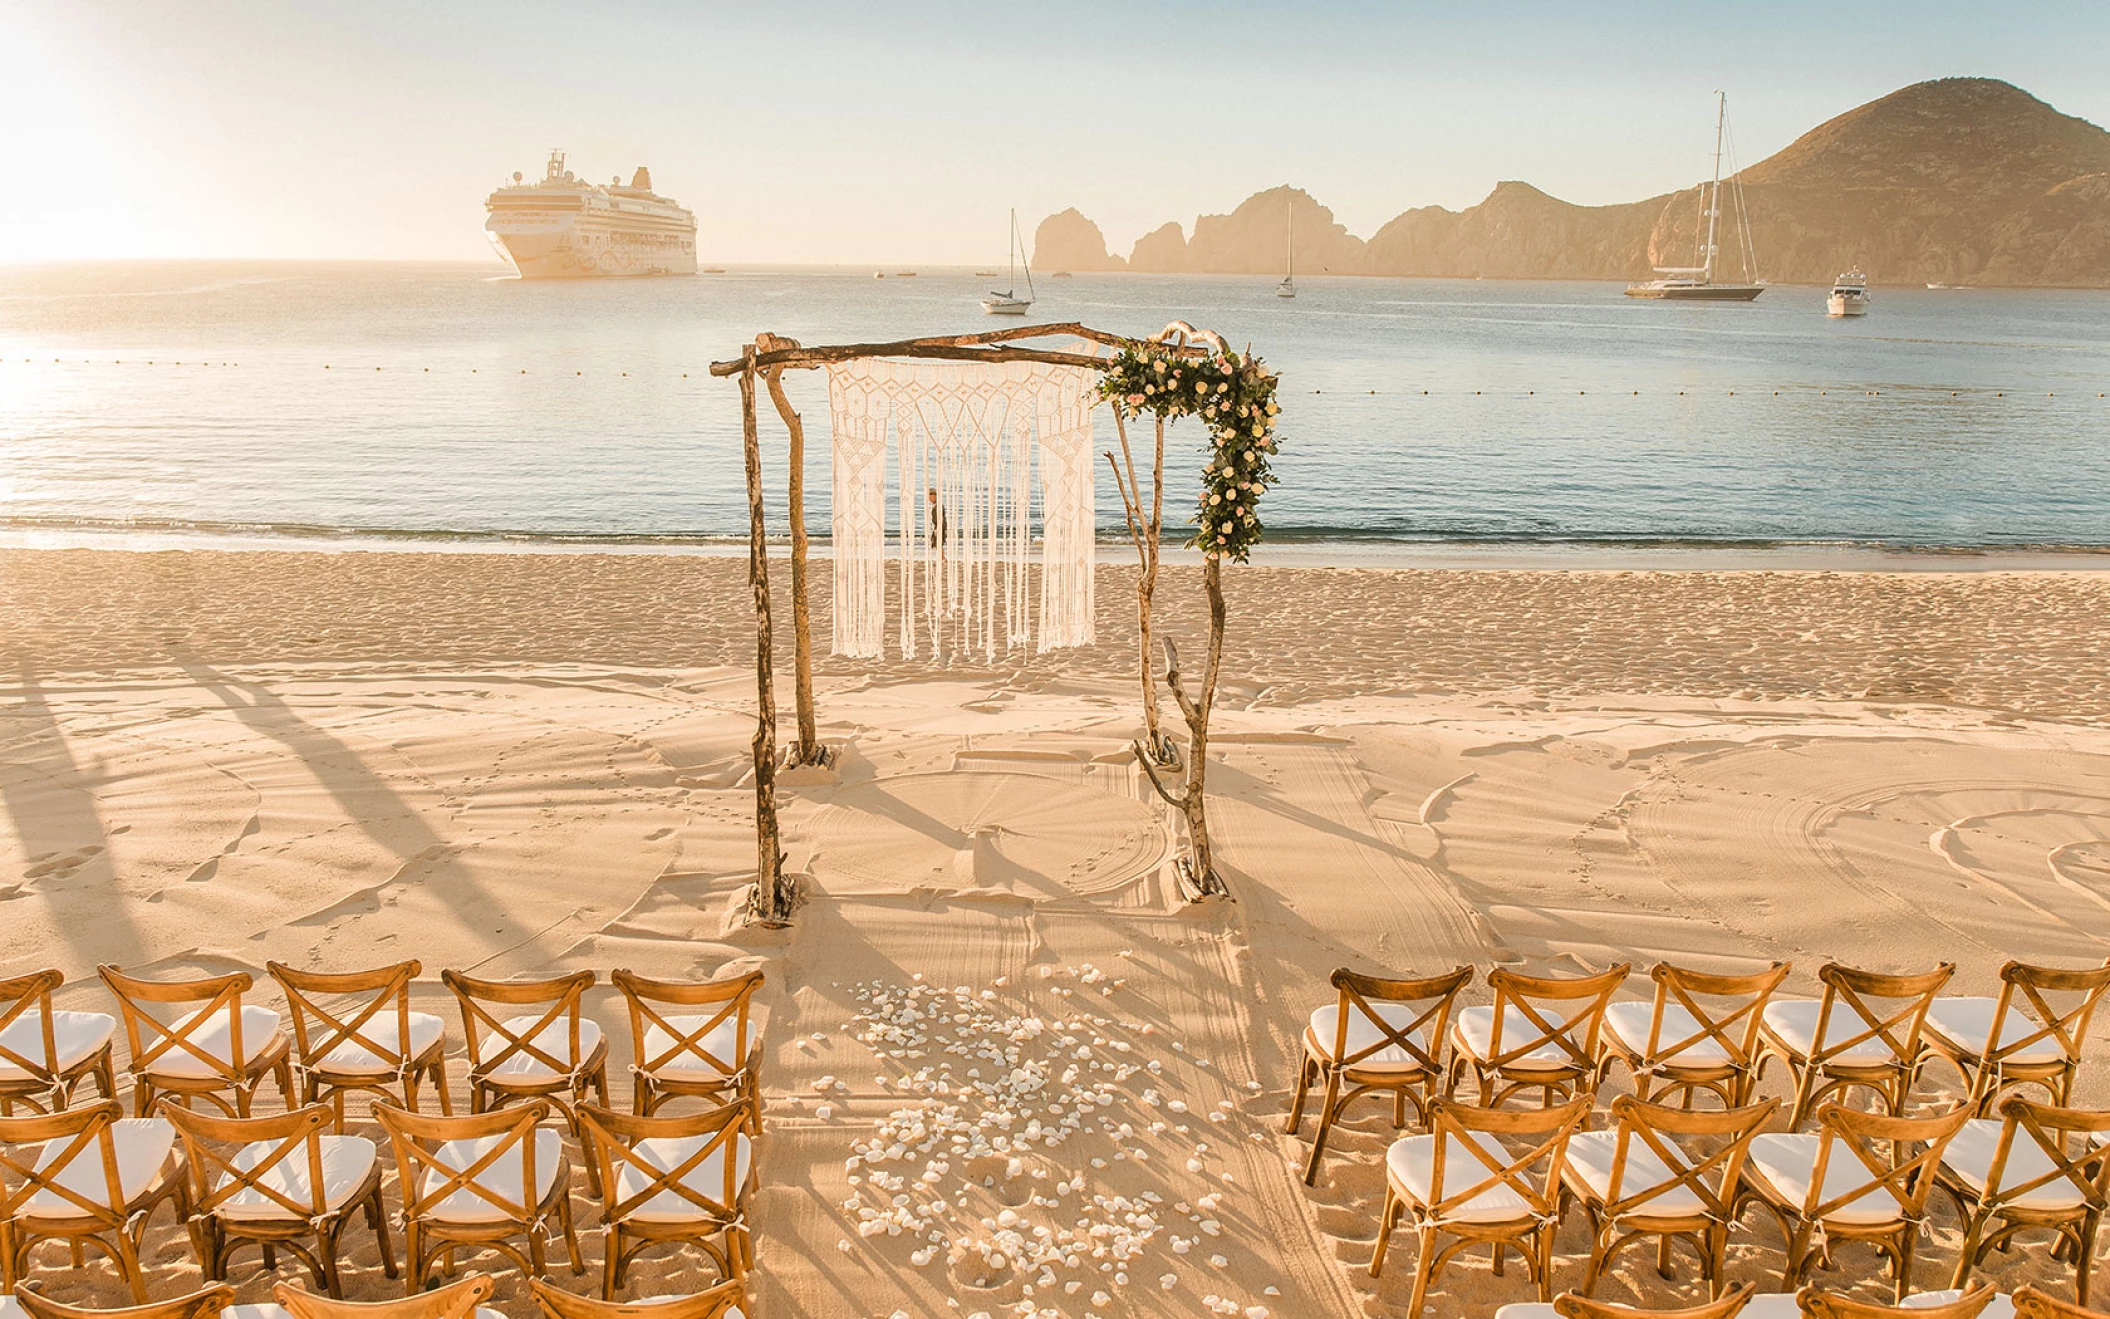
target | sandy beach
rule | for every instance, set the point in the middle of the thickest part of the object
(522, 764)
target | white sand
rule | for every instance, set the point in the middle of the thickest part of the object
(526, 764)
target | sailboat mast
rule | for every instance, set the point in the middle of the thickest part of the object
(1714, 194)
(1026, 261)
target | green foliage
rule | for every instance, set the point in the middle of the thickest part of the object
(1236, 397)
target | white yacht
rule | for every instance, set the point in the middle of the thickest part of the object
(563, 226)
(1288, 287)
(1697, 283)
(1008, 303)
(1849, 296)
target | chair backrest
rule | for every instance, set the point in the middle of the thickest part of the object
(149, 1039)
(2059, 1003)
(59, 1141)
(205, 1304)
(1820, 1304)
(1463, 1169)
(562, 995)
(456, 1300)
(727, 1298)
(1724, 1136)
(22, 996)
(1569, 1305)
(730, 999)
(614, 1137)
(2075, 1141)
(1725, 1009)
(323, 1022)
(423, 1180)
(2033, 1304)
(1563, 1011)
(1862, 1006)
(211, 1145)
(1421, 1038)
(1880, 1150)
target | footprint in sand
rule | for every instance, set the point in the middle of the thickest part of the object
(61, 865)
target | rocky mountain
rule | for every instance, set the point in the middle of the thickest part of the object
(1959, 180)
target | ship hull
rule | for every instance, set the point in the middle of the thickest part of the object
(1698, 293)
(572, 254)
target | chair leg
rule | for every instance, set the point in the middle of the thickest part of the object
(1904, 1279)
(1542, 1261)
(128, 1264)
(1424, 1270)
(439, 1085)
(1384, 1231)
(571, 1236)
(1296, 1100)
(2085, 1250)
(1327, 1106)
(377, 1219)
(1798, 1250)
(1664, 1267)
(611, 1251)
(1967, 1258)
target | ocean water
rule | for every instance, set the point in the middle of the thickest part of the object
(447, 401)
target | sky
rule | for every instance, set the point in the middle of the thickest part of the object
(887, 133)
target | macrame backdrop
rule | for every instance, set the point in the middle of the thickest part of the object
(969, 431)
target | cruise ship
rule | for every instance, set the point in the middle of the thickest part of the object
(565, 227)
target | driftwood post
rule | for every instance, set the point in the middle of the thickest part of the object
(1146, 530)
(809, 750)
(1193, 802)
(771, 903)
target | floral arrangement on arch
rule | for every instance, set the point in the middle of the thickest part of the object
(1235, 396)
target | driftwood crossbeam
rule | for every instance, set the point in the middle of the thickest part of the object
(768, 358)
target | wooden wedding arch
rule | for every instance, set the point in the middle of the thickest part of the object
(766, 360)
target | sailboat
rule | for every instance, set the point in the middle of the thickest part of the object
(1008, 303)
(1696, 283)
(1288, 287)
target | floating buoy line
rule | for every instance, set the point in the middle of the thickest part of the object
(1821, 392)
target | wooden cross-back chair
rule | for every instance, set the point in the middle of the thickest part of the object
(1818, 1303)
(220, 1050)
(2031, 1303)
(460, 1299)
(691, 1038)
(89, 1177)
(555, 1054)
(479, 1181)
(2040, 1167)
(724, 1301)
(45, 1053)
(1860, 1177)
(1541, 1033)
(1662, 1172)
(376, 1044)
(203, 1304)
(1864, 1033)
(1698, 1032)
(1731, 1303)
(2032, 1034)
(674, 1179)
(279, 1181)
(1377, 1036)
(1463, 1182)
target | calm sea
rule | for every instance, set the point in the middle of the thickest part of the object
(444, 401)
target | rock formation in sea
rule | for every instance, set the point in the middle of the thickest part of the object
(1068, 241)
(1958, 180)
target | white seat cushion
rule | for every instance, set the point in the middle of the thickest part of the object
(212, 1036)
(75, 1037)
(1765, 1305)
(1628, 1023)
(1362, 1033)
(1970, 1157)
(1474, 1034)
(553, 1039)
(10, 1308)
(1786, 1160)
(1410, 1164)
(142, 1145)
(266, 1310)
(707, 1178)
(351, 1058)
(1967, 1023)
(346, 1160)
(2001, 1307)
(722, 1041)
(1590, 1155)
(1793, 1022)
(506, 1177)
